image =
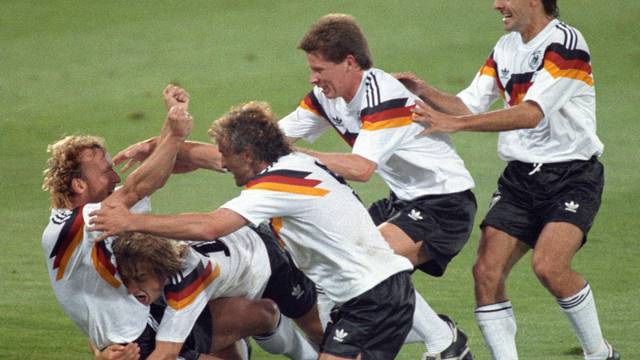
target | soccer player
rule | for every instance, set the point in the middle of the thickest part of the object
(428, 216)
(79, 178)
(247, 263)
(321, 222)
(550, 191)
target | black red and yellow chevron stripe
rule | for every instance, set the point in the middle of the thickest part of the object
(101, 259)
(180, 295)
(311, 103)
(387, 115)
(68, 240)
(288, 181)
(562, 62)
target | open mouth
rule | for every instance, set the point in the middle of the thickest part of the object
(142, 298)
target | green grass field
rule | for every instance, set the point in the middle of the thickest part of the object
(74, 66)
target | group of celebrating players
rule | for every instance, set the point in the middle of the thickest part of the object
(298, 246)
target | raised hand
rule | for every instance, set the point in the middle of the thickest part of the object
(174, 95)
(179, 121)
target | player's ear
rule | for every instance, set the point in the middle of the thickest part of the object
(351, 61)
(78, 186)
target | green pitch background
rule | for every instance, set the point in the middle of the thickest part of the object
(70, 67)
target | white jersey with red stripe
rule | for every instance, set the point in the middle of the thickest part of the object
(236, 265)
(554, 71)
(377, 124)
(323, 225)
(84, 278)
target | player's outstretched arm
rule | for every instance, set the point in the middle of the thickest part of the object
(349, 166)
(154, 172)
(193, 155)
(522, 116)
(437, 99)
(115, 219)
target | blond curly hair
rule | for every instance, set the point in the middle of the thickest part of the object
(63, 166)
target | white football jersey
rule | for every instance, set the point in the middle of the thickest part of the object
(84, 278)
(554, 71)
(236, 265)
(322, 224)
(377, 124)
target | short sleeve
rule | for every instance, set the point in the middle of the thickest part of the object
(307, 121)
(484, 89)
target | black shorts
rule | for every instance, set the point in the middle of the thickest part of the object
(442, 222)
(531, 195)
(375, 323)
(288, 287)
(198, 342)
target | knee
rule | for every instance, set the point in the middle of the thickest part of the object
(546, 270)
(486, 273)
(268, 315)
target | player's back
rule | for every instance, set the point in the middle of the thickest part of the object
(323, 224)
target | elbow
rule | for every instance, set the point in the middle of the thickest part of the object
(208, 233)
(365, 173)
(533, 114)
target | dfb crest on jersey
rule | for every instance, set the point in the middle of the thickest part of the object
(535, 59)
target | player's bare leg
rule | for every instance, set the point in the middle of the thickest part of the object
(311, 325)
(402, 244)
(557, 245)
(237, 318)
(498, 252)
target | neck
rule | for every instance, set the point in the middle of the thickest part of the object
(535, 27)
(355, 85)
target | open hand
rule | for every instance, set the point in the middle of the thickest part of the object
(135, 154)
(433, 121)
(111, 219)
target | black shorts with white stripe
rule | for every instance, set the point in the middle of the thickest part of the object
(288, 287)
(198, 342)
(442, 222)
(373, 324)
(529, 196)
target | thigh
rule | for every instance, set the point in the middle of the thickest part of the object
(499, 251)
(557, 245)
(236, 318)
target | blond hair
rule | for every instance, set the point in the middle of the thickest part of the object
(136, 252)
(64, 165)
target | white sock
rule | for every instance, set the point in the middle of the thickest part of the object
(498, 326)
(581, 312)
(429, 328)
(243, 349)
(288, 341)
